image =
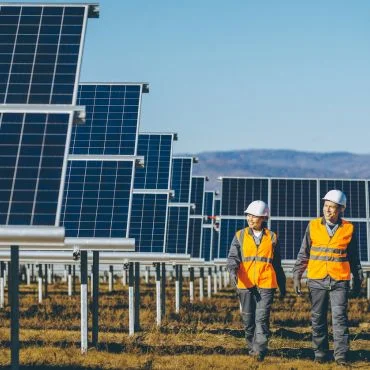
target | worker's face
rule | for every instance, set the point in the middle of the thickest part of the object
(331, 211)
(255, 222)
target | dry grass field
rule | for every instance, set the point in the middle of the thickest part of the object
(205, 335)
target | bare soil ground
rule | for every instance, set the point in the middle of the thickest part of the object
(205, 335)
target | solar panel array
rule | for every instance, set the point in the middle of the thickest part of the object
(293, 202)
(148, 222)
(99, 181)
(40, 53)
(179, 205)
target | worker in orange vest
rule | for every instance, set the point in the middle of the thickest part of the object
(329, 251)
(254, 265)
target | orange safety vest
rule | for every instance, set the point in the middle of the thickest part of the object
(256, 267)
(328, 255)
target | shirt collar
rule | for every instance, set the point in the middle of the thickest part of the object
(339, 222)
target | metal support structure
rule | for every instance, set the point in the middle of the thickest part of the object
(177, 290)
(69, 280)
(110, 279)
(219, 273)
(191, 284)
(180, 284)
(124, 276)
(215, 280)
(158, 292)
(131, 309)
(163, 289)
(368, 286)
(201, 284)
(28, 274)
(84, 305)
(7, 279)
(209, 282)
(46, 281)
(40, 283)
(137, 296)
(32, 272)
(65, 274)
(95, 301)
(73, 279)
(14, 309)
(146, 274)
(2, 300)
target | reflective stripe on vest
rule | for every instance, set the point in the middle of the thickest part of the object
(328, 254)
(256, 267)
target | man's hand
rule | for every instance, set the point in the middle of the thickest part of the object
(282, 293)
(297, 285)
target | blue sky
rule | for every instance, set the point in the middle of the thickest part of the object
(241, 74)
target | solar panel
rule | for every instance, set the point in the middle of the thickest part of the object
(362, 239)
(355, 193)
(228, 228)
(148, 221)
(195, 237)
(208, 206)
(237, 193)
(177, 229)
(215, 238)
(206, 242)
(40, 48)
(112, 119)
(32, 150)
(181, 179)
(215, 231)
(294, 198)
(97, 197)
(179, 206)
(157, 152)
(197, 194)
(290, 236)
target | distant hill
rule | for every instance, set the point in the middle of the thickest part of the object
(281, 163)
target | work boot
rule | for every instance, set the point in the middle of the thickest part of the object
(321, 360)
(259, 356)
(342, 362)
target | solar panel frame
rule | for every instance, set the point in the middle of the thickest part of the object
(45, 9)
(161, 168)
(174, 229)
(109, 118)
(98, 183)
(177, 179)
(139, 232)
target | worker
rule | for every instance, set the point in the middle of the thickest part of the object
(329, 251)
(254, 265)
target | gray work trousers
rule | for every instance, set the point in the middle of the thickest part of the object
(255, 312)
(337, 292)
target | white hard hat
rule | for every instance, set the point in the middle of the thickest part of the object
(258, 208)
(336, 196)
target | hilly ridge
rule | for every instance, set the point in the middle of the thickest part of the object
(281, 163)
